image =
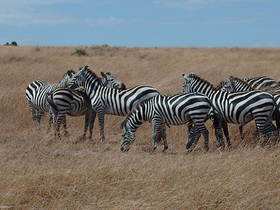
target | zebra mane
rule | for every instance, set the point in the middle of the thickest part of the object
(93, 74)
(70, 72)
(194, 76)
(220, 85)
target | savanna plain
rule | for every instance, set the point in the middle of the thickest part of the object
(38, 171)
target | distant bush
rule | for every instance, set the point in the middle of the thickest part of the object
(37, 49)
(13, 43)
(80, 52)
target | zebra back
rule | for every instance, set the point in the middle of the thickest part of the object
(110, 100)
(262, 83)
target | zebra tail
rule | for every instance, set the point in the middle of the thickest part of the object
(54, 108)
(276, 114)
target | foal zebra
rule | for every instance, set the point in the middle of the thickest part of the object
(66, 101)
(178, 109)
(109, 100)
(36, 96)
(238, 108)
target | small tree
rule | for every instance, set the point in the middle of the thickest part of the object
(80, 52)
(14, 43)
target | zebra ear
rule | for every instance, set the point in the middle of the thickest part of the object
(103, 74)
(109, 73)
(185, 76)
(71, 72)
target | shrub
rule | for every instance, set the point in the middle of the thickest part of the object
(14, 43)
(37, 49)
(80, 52)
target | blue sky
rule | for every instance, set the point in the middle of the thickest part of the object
(141, 23)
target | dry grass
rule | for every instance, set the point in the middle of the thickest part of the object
(39, 172)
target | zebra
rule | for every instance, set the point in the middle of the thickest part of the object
(109, 100)
(238, 85)
(262, 83)
(30, 91)
(237, 108)
(76, 103)
(192, 108)
(111, 82)
(36, 96)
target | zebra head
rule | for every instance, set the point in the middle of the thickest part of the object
(127, 137)
(78, 78)
(187, 86)
(225, 87)
(66, 78)
(239, 85)
(111, 82)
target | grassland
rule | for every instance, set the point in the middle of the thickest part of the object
(39, 172)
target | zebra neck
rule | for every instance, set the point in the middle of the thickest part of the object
(207, 90)
(91, 84)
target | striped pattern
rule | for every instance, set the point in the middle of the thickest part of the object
(238, 108)
(171, 110)
(239, 85)
(109, 100)
(29, 94)
(36, 96)
(66, 101)
(262, 83)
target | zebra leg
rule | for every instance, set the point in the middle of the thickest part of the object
(64, 122)
(57, 129)
(205, 134)
(156, 134)
(163, 136)
(241, 132)
(89, 122)
(36, 117)
(101, 115)
(191, 133)
(51, 121)
(219, 134)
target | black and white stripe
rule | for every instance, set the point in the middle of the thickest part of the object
(238, 108)
(262, 83)
(36, 96)
(238, 85)
(29, 94)
(160, 110)
(109, 100)
(66, 101)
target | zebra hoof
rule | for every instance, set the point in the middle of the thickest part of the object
(165, 148)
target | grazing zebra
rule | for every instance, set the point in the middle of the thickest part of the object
(109, 100)
(238, 108)
(66, 101)
(36, 96)
(178, 109)
(262, 83)
(238, 85)
(30, 91)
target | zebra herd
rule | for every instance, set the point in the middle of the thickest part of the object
(237, 101)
